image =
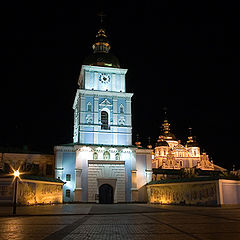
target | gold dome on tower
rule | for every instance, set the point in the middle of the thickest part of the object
(166, 131)
(101, 55)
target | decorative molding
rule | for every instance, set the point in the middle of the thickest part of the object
(106, 162)
(96, 93)
(104, 69)
(105, 102)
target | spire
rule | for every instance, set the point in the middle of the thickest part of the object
(101, 43)
(138, 143)
(101, 55)
(149, 146)
(190, 131)
(166, 126)
(190, 137)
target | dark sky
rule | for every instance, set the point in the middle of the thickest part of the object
(181, 56)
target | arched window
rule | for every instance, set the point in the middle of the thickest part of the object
(104, 120)
(89, 107)
(117, 156)
(121, 109)
(106, 155)
(95, 156)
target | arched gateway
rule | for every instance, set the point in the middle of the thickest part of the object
(105, 194)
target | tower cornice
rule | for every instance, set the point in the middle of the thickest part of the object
(98, 93)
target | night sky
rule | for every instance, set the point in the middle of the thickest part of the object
(183, 57)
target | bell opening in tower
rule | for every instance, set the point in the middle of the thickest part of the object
(104, 120)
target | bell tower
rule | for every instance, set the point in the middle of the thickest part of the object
(102, 107)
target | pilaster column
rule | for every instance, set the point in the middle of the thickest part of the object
(58, 165)
(134, 188)
(78, 173)
(78, 184)
(134, 179)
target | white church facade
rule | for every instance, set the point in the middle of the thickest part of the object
(169, 153)
(102, 165)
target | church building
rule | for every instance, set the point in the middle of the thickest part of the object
(102, 165)
(171, 154)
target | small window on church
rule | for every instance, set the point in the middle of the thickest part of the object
(68, 193)
(68, 177)
(95, 156)
(106, 155)
(104, 120)
(117, 156)
(121, 109)
(89, 107)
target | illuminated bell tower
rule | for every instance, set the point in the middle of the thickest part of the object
(102, 108)
(102, 165)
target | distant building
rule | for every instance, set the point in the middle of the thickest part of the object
(169, 153)
(31, 163)
(102, 165)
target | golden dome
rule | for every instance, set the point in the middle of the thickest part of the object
(101, 56)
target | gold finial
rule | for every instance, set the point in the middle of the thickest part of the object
(138, 143)
(166, 126)
(149, 146)
(190, 137)
(101, 43)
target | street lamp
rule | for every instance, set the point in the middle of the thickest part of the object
(16, 174)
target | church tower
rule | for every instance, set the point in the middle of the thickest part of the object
(102, 108)
(102, 165)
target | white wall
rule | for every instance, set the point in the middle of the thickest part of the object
(229, 191)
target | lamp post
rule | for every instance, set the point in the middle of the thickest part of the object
(16, 176)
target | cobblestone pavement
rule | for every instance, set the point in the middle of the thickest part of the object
(127, 221)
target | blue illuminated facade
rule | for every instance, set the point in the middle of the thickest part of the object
(102, 152)
(102, 108)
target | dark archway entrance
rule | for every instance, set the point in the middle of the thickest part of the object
(105, 194)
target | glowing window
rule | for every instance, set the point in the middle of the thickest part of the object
(104, 120)
(68, 177)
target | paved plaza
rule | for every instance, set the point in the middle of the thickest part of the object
(119, 221)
